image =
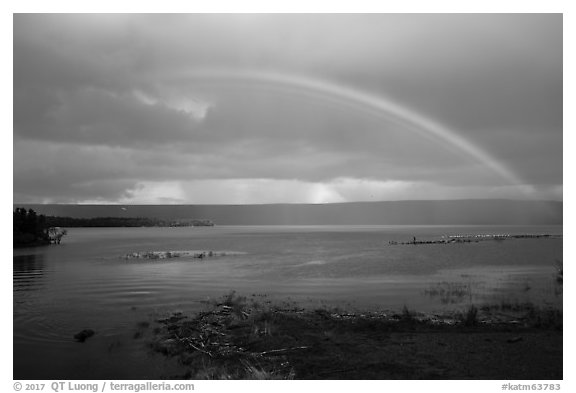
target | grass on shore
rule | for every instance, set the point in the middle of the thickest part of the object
(241, 338)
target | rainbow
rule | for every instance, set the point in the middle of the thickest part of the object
(375, 104)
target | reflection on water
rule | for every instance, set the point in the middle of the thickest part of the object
(28, 272)
(537, 285)
(87, 283)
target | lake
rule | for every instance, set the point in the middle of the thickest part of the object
(87, 282)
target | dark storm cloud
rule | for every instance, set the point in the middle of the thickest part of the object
(104, 107)
(95, 116)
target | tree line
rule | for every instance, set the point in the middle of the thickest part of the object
(29, 228)
(71, 222)
(32, 229)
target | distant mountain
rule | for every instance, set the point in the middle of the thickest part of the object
(450, 212)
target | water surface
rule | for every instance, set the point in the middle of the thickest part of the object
(87, 283)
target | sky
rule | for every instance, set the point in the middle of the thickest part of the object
(286, 108)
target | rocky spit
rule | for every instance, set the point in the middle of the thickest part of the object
(196, 254)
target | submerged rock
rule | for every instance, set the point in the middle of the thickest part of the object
(84, 334)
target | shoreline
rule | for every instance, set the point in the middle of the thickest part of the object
(253, 338)
(364, 343)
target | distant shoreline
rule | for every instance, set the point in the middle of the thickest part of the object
(431, 212)
(124, 222)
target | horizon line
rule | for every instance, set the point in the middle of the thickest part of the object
(294, 203)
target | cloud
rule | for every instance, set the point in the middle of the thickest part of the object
(259, 191)
(105, 108)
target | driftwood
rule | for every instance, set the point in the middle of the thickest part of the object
(274, 351)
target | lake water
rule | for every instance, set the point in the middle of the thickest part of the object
(86, 282)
